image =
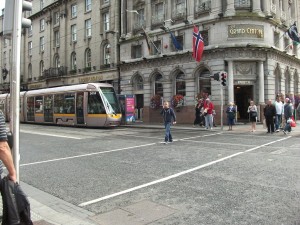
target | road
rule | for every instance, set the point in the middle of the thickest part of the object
(127, 176)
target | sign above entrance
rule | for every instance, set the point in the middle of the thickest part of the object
(244, 82)
(245, 30)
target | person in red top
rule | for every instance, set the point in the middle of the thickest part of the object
(208, 109)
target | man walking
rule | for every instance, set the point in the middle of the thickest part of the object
(169, 118)
(279, 111)
(270, 113)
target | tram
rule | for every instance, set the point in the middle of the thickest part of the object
(86, 105)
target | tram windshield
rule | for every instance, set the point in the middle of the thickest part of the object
(110, 100)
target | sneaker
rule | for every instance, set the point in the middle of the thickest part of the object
(284, 131)
(170, 141)
(211, 128)
(166, 143)
(277, 130)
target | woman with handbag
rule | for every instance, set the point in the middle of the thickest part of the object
(252, 110)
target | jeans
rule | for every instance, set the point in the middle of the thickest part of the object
(278, 120)
(168, 135)
(209, 120)
(287, 126)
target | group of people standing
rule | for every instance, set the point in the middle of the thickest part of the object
(204, 113)
(277, 115)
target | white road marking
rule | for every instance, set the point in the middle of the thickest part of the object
(175, 175)
(216, 143)
(52, 135)
(207, 135)
(85, 155)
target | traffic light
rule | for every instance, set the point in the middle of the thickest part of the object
(223, 76)
(216, 76)
(11, 12)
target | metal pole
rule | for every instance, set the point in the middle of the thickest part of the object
(15, 84)
(222, 103)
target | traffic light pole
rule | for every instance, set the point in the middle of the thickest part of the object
(222, 105)
(15, 84)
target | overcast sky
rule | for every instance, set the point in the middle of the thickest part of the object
(2, 4)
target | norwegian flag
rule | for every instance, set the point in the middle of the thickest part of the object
(198, 44)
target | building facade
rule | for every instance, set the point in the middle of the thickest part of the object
(245, 38)
(69, 42)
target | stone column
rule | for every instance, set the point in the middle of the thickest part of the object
(261, 78)
(267, 7)
(230, 82)
(230, 10)
(216, 6)
(256, 6)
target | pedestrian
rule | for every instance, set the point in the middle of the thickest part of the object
(169, 118)
(288, 113)
(230, 111)
(270, 113)
(208, 110)
(252, 110)
(197, 120)
(279, 112)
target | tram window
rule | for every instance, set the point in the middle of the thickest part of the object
(38, 104)
(64, 103)
(95, 104)
(111, 97)
(69, 104)
(48, 102)
(59, 103)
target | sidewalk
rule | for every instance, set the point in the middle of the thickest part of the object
(50, 210)
(238, 128)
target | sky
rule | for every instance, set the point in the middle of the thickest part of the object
(2, 4)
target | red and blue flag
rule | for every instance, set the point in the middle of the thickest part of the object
(198, 44)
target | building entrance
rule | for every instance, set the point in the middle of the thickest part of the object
(242, 95)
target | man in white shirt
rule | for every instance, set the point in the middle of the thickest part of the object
(279, 111)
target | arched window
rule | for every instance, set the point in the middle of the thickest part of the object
(29, 71)
(88, 58)
(180, 84)
(73, 61)
(106, 55)
(138, 83)
(158, 86)
(287, 83)
(56, 61)
(277, 82)
(41, 68)
(204, 83)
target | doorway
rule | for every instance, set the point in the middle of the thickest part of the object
(242, 95)
(139, 106)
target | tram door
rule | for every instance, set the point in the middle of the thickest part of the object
(48, 109)
(79, 108)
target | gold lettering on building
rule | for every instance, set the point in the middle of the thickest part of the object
(245, 30)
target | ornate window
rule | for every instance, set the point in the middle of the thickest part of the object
(74, 33)
(88, 28)
(158, 14)
(88, 5)
(73, 10)
(42, 44)
(29, 71)
(42, 24)
(106, 54)
(138, 83)
(106, 21)
(73, 61)
(204, 83)
(158, 86)
(30, 48)
(139, 20)
(41, 67)
(180, 84)
(56, 61)
(88, 58)
(136, 51)
(56, 38)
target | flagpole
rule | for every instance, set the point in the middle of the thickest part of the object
(150, 39)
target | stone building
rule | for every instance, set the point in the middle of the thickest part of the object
(69, 42)
(245, 38)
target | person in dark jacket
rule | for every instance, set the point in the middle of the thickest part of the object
(197, 120)
(270, 113)
(288, 113)
(169, 118)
